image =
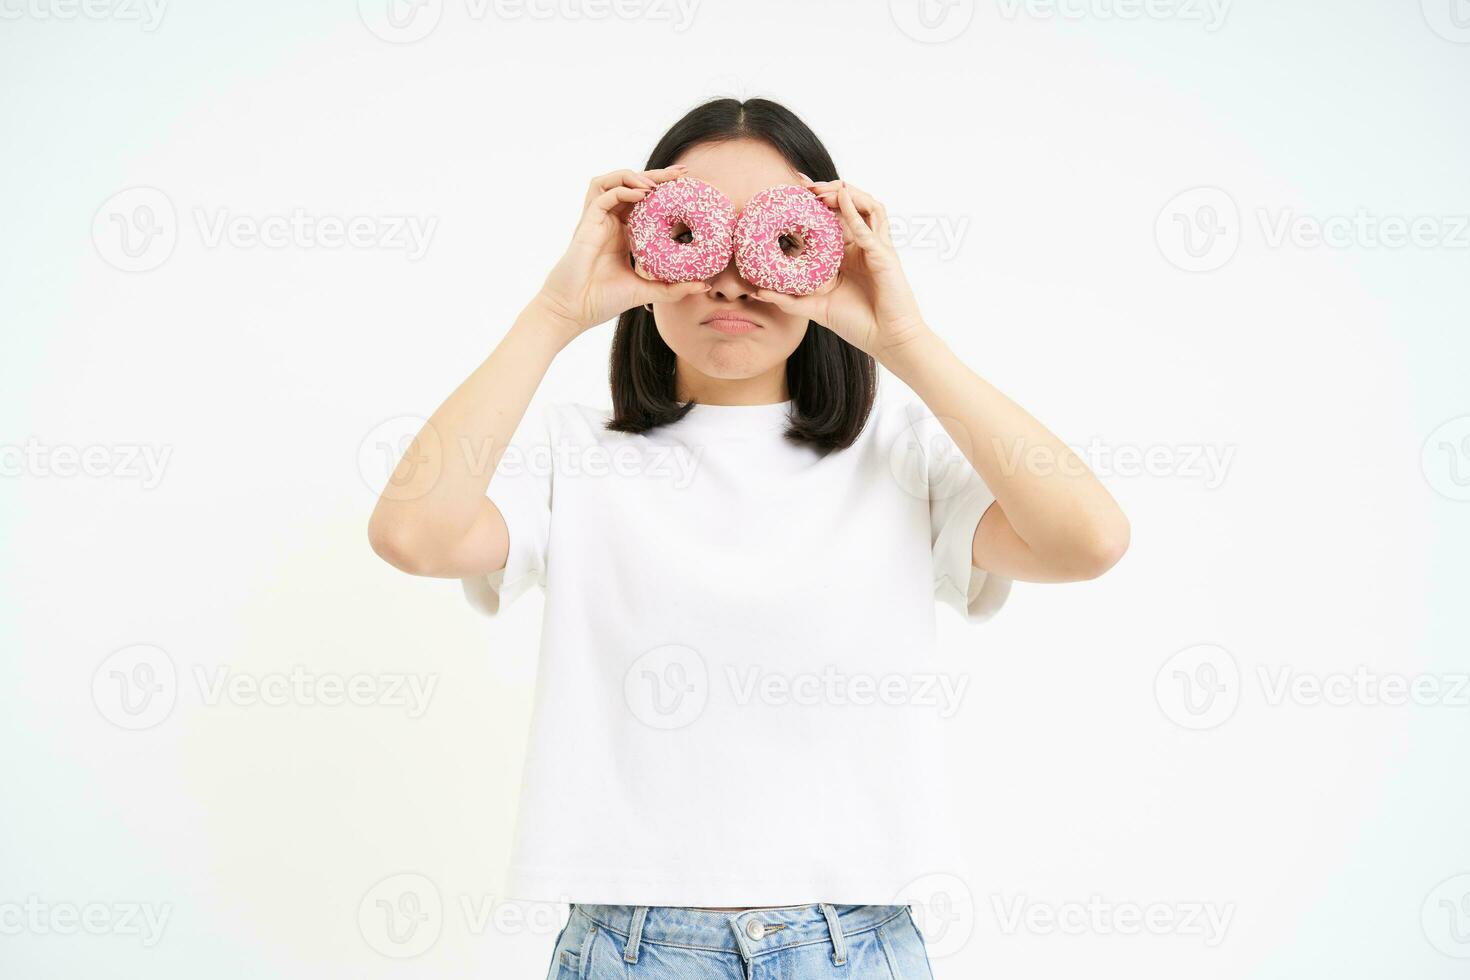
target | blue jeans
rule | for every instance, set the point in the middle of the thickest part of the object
(803, 942)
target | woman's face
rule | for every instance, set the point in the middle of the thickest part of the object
(723, 334)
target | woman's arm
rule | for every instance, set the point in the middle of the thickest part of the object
(433, 517)
(1052, 520)
(1050, 523)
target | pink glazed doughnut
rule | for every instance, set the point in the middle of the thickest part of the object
(656, 223)
(799, 215)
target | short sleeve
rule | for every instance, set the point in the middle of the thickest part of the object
(958, 499)
(521, 491)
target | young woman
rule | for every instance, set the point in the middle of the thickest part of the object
(735, 765)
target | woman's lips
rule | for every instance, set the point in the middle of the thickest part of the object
(730, 323)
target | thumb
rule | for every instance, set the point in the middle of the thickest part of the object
(669, 292)
(806, 306)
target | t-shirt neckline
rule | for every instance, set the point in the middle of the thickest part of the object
(738, 415)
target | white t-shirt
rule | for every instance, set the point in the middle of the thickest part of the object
(738, 699)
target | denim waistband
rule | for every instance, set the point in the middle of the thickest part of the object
(747, 933)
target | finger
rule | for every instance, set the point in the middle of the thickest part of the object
(871, 209)
(830, 199)
(827, 185)
(618, 178)
(865, 202)
(621, 178)
(646, 179)
(861, 233)
(806, 306)
(670, 292)
(610, 199)
(666, 173)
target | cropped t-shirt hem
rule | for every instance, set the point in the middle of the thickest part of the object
(838, 886)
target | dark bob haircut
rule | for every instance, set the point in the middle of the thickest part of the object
(832, 383)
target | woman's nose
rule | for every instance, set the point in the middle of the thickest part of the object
(729, 286)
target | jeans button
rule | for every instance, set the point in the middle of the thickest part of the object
(755, 930)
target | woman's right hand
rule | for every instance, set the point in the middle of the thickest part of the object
(594, 281)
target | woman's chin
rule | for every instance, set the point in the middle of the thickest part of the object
(734, 358)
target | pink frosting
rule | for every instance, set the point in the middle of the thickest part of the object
(797, 213)
(695, 205)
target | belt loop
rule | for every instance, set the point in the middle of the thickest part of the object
(839, 941)
(635, 934)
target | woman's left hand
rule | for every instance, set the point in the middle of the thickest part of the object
(869, 303)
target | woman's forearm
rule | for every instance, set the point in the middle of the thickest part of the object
(1068, 524)
(433, 517)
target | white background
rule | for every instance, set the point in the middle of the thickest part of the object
(1052, 146)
